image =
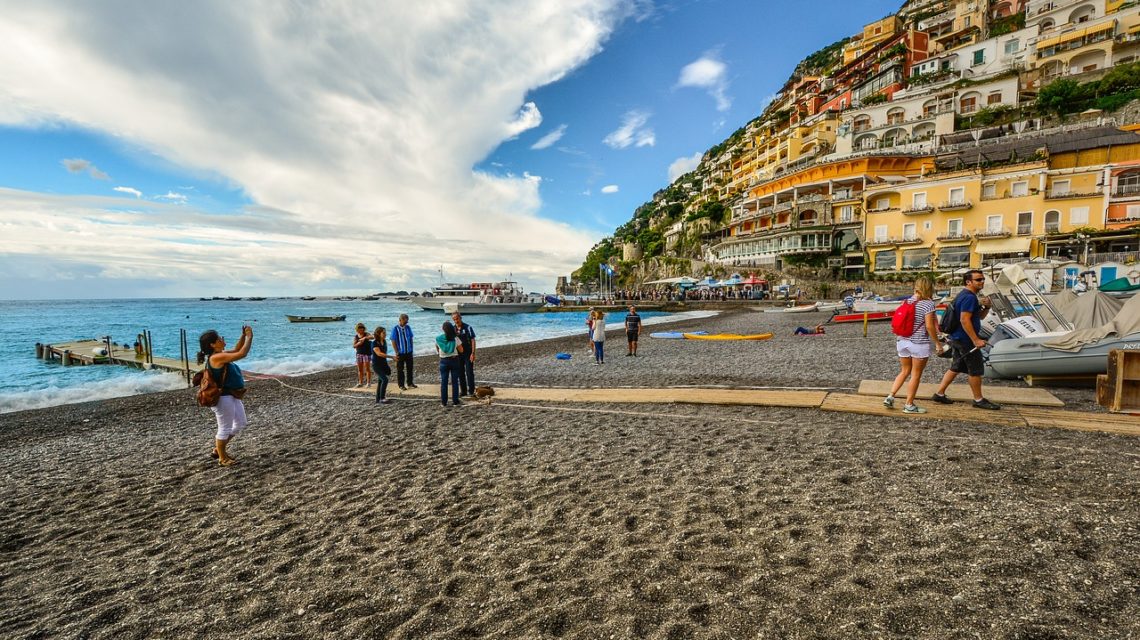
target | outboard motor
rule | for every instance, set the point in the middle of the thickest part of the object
(1021, 327)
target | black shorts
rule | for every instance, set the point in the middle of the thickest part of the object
(967, 360)
(631, 336)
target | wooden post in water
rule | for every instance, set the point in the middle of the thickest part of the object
(39, 351)
(66, 358)
(149, 347)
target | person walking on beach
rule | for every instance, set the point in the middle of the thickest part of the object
(466, 335)
(632, 330)
(230, 412)
(598, 337)
(403, 344)
(449, 350)
(362, 342)
(914, 350)
(965, 344)
(380, 364)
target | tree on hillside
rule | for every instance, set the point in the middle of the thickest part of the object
(601, 252)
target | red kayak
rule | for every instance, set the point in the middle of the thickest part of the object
(871, 316)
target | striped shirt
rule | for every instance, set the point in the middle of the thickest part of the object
(922, 308)
(402, 337)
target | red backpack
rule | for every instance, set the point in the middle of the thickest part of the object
(902, 322)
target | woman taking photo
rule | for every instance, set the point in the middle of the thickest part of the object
(220, 366)
(448, 349)
(914, 350)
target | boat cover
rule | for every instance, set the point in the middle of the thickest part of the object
(1119, 284)
(1125, 322)
(1092, 309)
(1062, 301)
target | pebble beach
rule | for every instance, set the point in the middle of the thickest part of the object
(557, 520)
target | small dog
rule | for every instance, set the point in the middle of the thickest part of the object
(483, 393)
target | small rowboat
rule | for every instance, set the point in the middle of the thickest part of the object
(314, 318)
(871, 316)
(727, 336)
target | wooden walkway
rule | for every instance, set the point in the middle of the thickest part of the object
(1010, 416)
(86, 352)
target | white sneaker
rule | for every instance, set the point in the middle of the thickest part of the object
(889, 402)
(913, 408)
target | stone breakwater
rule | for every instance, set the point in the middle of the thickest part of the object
(569, 521)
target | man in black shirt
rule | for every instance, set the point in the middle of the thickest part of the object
(466, 335)
(632, 330)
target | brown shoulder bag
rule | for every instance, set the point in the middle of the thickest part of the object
(208, 391)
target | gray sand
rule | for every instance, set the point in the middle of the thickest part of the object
(410, 520)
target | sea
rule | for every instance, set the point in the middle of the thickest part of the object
(279, 347)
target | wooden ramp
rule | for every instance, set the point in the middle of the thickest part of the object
(83, 352)
(1013, 416)
(961, 393)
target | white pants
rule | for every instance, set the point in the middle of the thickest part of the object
(230, 413)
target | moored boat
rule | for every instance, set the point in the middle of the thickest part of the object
(314, 318)
(479, 297)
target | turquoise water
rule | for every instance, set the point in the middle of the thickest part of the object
(279, 347)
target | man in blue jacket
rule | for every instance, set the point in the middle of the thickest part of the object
(466, 335)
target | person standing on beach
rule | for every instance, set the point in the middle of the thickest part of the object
(914, 350)
(403, 344)
(449, 351)
(362, 342)
(380, 364)
(590, 329)
(965, 344)
(632, 330)
(229, 412)
(598, 337)
(466, 335)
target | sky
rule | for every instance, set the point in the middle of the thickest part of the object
(268, 148)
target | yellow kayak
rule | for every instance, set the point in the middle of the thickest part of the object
(727, 336)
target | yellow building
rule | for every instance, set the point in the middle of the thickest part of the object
(873, 34)
(981, 216)
(813, 211)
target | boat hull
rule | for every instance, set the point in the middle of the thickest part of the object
(726, 336)
(871, 316)
(451, 306)
(1018, 357)
(315, 318)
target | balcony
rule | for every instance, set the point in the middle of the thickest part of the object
(1062, 195)
(910, 239)
(989, 234)
(954, 236)
(1024, 229)
(881, 242)
(883, 209)
(1127, 38)
(815, 197)
(956, 205)
(918, 210)
(786, 224)
(781, 207)
(1127, 191)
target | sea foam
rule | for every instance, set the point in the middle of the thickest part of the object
(148, 382)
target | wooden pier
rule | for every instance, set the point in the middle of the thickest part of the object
(95, 351)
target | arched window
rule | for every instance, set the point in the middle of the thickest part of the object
(808, 216)
(867, 142)
(1045, 26)
(1052, 222)
(893, 137)
(896, 115)
(1083, 13)
(929, 108)
(861, 123)
(968, 103)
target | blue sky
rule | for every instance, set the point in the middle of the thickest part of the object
(399, 140)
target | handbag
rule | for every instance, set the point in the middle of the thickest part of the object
(209, 392)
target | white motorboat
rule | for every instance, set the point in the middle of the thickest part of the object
(873, 306)
(479, 297)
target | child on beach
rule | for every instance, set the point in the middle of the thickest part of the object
(449, 350)
(914, 350)
(598, 336)
(362, 342)
(230, 412)
(380, 364)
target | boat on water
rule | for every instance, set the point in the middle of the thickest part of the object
(308, 297)
(479, 297)
(314, 318)
(255, 299)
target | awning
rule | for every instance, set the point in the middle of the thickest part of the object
(1005, 245)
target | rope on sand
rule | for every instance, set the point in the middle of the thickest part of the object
(644, 414)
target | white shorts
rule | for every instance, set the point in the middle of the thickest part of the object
(230, 413)
(908, 349)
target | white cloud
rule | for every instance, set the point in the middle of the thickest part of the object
(79, 165)
(610, 188)
(550, 138)
(683, 165)
(376, 126)
(172, 196)
(632, 132)
(132, 191)
(710, 74)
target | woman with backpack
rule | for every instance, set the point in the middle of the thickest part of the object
(229, 411)
(913, 342)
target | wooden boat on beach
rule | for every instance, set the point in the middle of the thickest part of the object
(870, 316)
(314, 318)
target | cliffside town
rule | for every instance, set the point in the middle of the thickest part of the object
(955, 133)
